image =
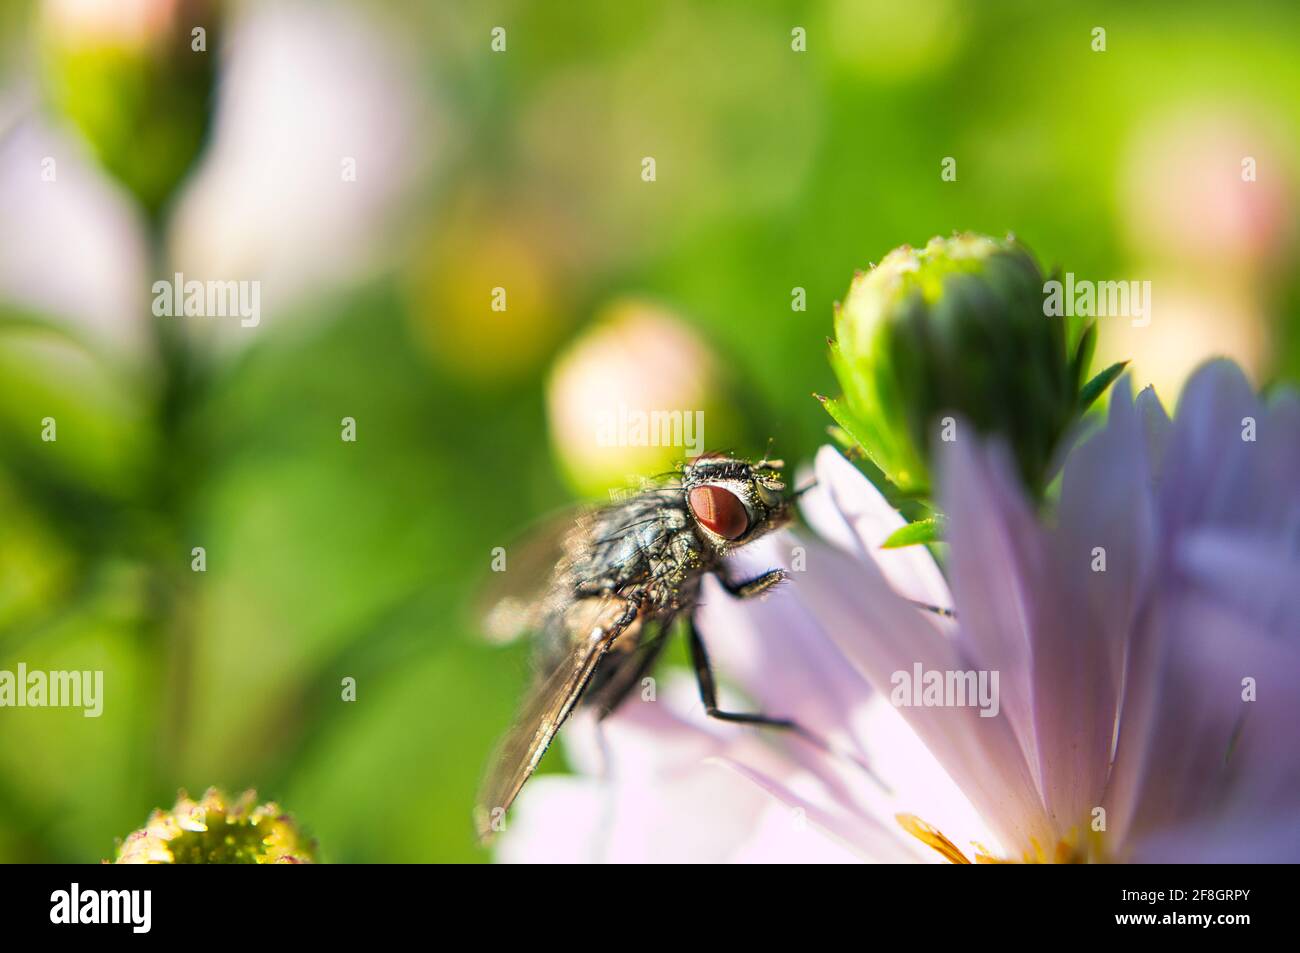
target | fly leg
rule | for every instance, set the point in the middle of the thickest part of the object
(749, 589)
(760, 584)
(709, 693)
(756, 586)
(709, 696)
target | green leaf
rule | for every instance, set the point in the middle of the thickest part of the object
(1097, 386)
(922, 531)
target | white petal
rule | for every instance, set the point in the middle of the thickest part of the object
(845, 509)
(658, 793)
(558, 821)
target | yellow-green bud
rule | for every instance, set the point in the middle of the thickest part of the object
(135, 77)
(215, 830)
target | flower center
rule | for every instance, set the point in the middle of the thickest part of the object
(931, 836)
(1068, 849)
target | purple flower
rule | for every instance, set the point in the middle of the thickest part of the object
(1131, 668)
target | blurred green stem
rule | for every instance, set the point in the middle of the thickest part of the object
(170, 619)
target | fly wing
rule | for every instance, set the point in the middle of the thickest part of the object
(512, 602)
(594, 624)
(517, 600)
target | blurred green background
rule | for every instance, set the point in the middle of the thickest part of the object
(521, 169)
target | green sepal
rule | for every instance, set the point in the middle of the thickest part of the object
(1097, 386)
(913, 534)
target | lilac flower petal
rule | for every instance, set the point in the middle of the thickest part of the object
(881, 635)
(1019, 616)
(1230, 518)
(1106, 551)
(1210, 466)
(1243, 840)
(1157, 427)
(996, 557)
(1255, 575)
(670, 751)
(1200, 759)
(1279, 465)
(1283, 413)
(657, 796)
(776, 648)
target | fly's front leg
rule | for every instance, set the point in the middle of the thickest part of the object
(709, 692)
(756, 586)
(709, 696)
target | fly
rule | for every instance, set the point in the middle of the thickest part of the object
(623, 574)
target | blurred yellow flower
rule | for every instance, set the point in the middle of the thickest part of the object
(490, 288)
(215, 830)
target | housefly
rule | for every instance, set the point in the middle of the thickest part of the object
(623, 574)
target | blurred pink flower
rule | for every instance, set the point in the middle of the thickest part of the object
(1210, 189)
(1207, 201)
(1126, 729)
(128, 23)
(321, 134)
(72, 242)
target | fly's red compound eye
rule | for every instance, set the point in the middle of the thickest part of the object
(720, 510)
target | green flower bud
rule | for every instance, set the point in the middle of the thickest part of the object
(955, 330)
(135, 77)
(215, 831)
